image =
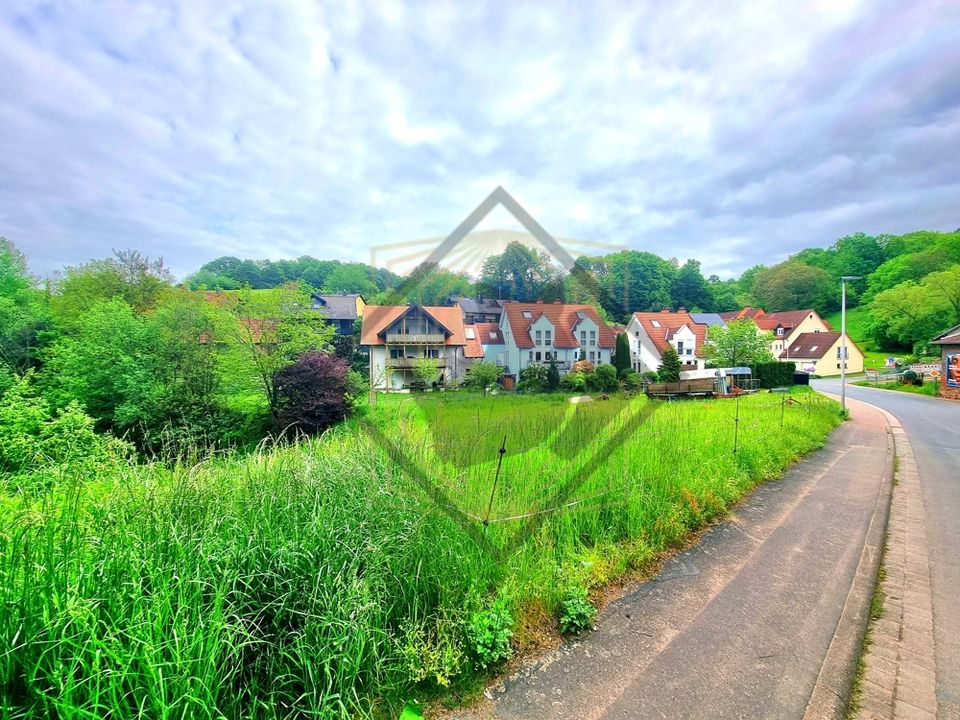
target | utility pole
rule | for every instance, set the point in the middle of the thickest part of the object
(843, 340)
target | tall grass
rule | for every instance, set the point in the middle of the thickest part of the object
(319, 580)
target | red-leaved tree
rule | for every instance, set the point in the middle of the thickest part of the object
(312, 393)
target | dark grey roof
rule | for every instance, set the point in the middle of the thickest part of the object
(949, 337)
(707, 319)
(337, 307)
(483, 305)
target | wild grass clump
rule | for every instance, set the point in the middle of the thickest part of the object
(319, 580)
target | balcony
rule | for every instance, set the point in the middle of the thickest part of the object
(411, 339)
(408, 363)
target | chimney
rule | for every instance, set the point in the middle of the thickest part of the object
(682, 309)
(539, 301)
(665, 310)
(557, 302)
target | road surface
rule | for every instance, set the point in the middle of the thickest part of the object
(933, 427)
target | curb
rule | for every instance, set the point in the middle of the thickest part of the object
(831, 693)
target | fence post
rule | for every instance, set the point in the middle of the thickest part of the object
(496, 478)
(783, 405)
(736, 426)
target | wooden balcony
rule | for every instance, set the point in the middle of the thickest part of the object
(423, 339)
(407, 363)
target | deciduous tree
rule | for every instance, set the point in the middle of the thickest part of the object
(737, 344)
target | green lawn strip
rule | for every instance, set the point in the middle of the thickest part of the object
(928, 388)
(317, 579)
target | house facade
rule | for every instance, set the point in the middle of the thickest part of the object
(789, 325)
(340, 310)
(399, 338)
(651, 333)
(949, 344)
(820, 353)
(540, 333)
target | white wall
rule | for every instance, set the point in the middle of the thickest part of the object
(644, 356)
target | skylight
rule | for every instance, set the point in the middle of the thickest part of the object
(813, 348)
(655, 323)
(528, 315)
(493, 334)
(470, 333)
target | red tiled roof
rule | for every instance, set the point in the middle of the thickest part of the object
(489, 333)
(563, 318)
(747, 312)
(786, 319)
(376, 318)
(669, 323)
(812, 345)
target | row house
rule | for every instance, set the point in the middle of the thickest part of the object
(650, 334)
(400, 337)
(541, 333)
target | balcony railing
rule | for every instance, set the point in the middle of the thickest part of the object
(412, 339)
(406, 363)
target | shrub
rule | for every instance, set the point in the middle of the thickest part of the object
(582, 366)
(576, 611)
(533, 378)
(633, 381)
(553, 377)
(573, 382)
(489, 633)
(312, 394)
(911, 377)
(621, 355)
(649, 376)
(483, 375)
(774, 374)
(606, 378)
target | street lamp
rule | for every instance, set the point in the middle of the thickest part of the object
(843, 340)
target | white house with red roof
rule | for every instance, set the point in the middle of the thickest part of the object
(651, 333)
(540, 333)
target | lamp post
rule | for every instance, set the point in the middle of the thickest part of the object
(843, 340)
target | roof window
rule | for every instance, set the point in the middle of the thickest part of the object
(470, 333)
(655, 323)
(493, 334)
(528, 315)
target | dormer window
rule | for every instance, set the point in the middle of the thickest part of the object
(779, 331)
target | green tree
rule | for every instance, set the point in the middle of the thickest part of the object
(426, 372)
(483, 375)
(621, 354)
(690, 290)
(553, 377)
(669, 371)
(635, 281)
(737, 344)
(794, 285)
(521, 273)
(265, 331)
(914, 312)
(24, 311)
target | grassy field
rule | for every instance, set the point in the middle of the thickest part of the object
(928, 388)
(338, 577)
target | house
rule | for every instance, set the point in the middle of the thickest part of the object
(651, 333)
(949, 343)
(789, 325)
(819, 353)
(479, 310)
(400, 337)
(540, 333)
(341, 310)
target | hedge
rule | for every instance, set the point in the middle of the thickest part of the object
(774, 374)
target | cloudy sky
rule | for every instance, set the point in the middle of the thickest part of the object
(736, 133)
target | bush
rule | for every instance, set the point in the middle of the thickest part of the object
(312, 394)
(533, 378)
(633, 382)
(669, 366)
(553, 377)
(774, 374)
(582, 366)
(911, 377)
(649, 376)
(576, 611)
(574, 382)
(606, 378)
(483, 375)
(489, 633)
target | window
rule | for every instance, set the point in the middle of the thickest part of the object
(636, 333)
(813, 349)
(655, 323)
(528, 315)
(530, 358)
(779, 331)
(593, 338)
(592, 356)
(493, 335)
(539, 337)
(470, 333)
(548, 337)
(689, 351)
(583, 337)
(679, 347)
(546, 356)
(537, 355)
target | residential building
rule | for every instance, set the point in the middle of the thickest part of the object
(949, 343)
(708, 319)
(651, 333)
(789, 325)
(479, 310)
(819, 353)
(340, 310)
(540, 333)
(399, 337)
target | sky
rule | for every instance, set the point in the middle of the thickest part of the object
(734, 133)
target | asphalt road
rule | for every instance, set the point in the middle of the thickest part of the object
(739, 625)
(933, 427)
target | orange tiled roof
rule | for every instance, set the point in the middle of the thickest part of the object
(564, 319)
(669, 323)
(377, 318)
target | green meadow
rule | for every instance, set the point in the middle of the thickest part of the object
(336, 577)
